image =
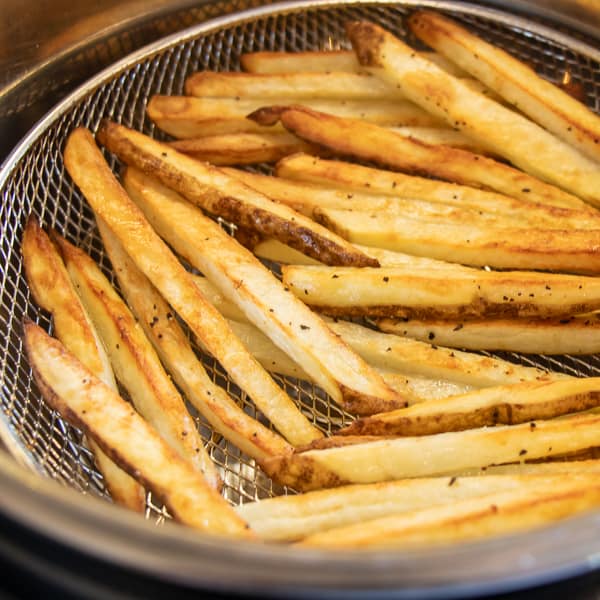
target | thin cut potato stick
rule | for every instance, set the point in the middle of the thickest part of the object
(438, 454)
(523, 193)
(504, 246)
(243, 148)
(289, 518)
(407, 357)
(553, 467)
(87, 166)
(400, 291)
(507, 133)
(322, 61)
(571, 335)
(53, 290)
(296, 87)
(135, 362)
(189, 117)
(174, 349)
(306, 197)
(442, 136)
(369, 142)
(264, 300)
(220, 194)
(505, 404)
(539, 99)
(94, 407)
(496, 514)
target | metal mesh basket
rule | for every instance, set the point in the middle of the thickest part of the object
(34, 181)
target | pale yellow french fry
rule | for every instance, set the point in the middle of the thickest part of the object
(87, 166)
(261, 296)
(554, 467)
(503, 246)
(539, 99)
(496, 514)
(214, 191)
(295, 87)
(173, 347)
(438, 454)
(53, 290)
(101, 413)
(571, 335)
(135, 362)
(507, 133)
(289, 518)
(320, 62)
(187, 117)
(530, 192)
(402, 292)
(505, 404)
(308, 198)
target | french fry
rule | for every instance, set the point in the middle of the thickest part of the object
(189, 117)
(134, 361)
(296, 87)
(264, 300)
(506, 404)
(437, 454)
(90, 172)
(91, 405)
(369, 142)
(307, 198)
(321, 62)
(216, 192)
(521, 191)
(553, 467)
(52, 289)
(503, 246)
(174, 349)
(394, 354)
(440, 136)
(290, 518)
(571, 335)
(539, 99)
(402, 292)
(497, 514)
(523, 142)
(243, 148)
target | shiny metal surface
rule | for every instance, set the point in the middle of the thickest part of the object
(33, 180)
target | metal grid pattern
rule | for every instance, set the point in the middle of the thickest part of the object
(39, 184)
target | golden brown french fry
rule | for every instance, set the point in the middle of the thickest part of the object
(243, 148)
(289, 518)
(216, 192)
(91, 405)
(134, 361)
(438, 454)
(260, 295)
(571, 335)
(89, 170)
(496, 514)
(400, 291)
(523, 142)
(505, 404)
(189, 117)
(173, 347)
(524, 192)
(297, 87)
(308, 198)
(441, 136)
(52, 289)
(503, 246)
(369, 142)
(321, 62)
(553, 467)
(539, 99)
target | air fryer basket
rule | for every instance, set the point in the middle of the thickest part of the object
(34, 180)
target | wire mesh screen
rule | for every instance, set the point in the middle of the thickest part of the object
(38, 184)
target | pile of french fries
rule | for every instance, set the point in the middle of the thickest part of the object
(477, 230)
